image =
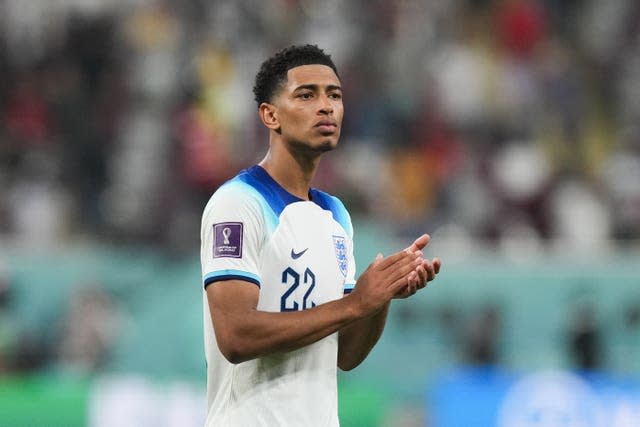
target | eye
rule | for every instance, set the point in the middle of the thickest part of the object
(335, 95)
(305, 95)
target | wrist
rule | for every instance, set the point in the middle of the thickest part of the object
(355, 307)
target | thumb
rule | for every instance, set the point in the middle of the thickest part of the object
(378, 258)
(419, 243)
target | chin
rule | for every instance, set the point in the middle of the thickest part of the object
(318, 146)
(327, 146)
(330, 142)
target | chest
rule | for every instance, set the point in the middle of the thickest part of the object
(305, 260)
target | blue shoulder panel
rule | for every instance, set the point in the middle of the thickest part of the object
(277, 198)
(333, 204)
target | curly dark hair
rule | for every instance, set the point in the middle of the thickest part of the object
(273, 71)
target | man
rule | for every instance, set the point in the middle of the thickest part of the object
(282, 308)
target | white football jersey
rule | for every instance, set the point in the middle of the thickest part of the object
(300, 254)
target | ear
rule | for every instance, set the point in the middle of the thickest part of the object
(269, 116)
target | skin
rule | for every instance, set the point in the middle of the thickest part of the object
(304, 119)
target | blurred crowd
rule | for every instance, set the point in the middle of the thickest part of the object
(510, 122)
(78, 338)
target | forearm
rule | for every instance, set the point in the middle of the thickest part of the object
(357, 339)
(249, 334)
(244, 333)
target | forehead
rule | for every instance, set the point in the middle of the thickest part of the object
(315, 74)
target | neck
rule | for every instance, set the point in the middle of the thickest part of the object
(292, 170)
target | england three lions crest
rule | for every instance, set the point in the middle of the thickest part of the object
(340, 246)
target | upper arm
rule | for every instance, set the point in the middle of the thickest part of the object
(231, 298)
(230, 302)
(231, 238)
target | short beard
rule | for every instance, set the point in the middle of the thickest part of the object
(324, 147)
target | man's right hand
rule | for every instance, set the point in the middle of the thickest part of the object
(383, 279)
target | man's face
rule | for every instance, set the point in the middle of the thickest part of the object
(309, 108)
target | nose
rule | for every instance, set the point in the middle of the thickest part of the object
(326, 106)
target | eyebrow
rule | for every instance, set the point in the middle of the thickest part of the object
(315, 87)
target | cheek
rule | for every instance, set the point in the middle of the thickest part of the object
(291, 124)
(294, 120)
(338, 111)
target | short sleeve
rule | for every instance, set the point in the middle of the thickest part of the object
(231, 236)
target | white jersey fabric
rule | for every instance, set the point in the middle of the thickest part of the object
(300, 254)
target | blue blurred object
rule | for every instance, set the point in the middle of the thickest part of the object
(488, 396)
(468, 396)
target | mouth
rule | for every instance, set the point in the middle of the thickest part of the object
(328, 126)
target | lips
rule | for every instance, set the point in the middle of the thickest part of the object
(326, 125)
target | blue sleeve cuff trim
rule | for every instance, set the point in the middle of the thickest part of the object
(220, 275)
(349, 287)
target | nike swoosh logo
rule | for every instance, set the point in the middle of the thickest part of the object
(297, 255)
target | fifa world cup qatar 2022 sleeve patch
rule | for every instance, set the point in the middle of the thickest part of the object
(227, 240)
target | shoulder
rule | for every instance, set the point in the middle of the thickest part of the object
(235, 200)
(337, 208)
(232, 194)
(243, 198)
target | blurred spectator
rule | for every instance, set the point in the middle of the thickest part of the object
(504, 124)
(21, 350)
(31, 354)
(482, 336)
(521, 25)
(585, 341)
(450, 330)
(99, 88)
(581, 220)
(631, 338)
(38, 206)
(461, 63)
(563, 110)
(7, 327)
(621, 177)
(205, 125)
(26, 116)
(520, 179)
(88, 330)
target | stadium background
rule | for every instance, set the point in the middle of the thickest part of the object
(508, 129)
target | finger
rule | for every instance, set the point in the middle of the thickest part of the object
(423, 276)
(402, 286)
(402, 293)
(420, 243)
(402, 269)
(436, 265)
(392, 259)
(398, 259)
(419, 283)
(431, 273)
(376, 261)
(399, 287)
(413, 281)
(412, 287)
(379, 257)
